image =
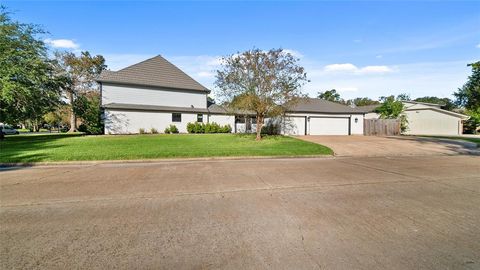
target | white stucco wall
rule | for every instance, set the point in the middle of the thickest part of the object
(293, 125)
(148, 96)
(126, 122)
(372, 115)
(430, 122)
(222, 120)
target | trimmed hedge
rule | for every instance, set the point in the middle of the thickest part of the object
(171, 129)
(208, 128)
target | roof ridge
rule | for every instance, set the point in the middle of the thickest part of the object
(174, 66)
(141, 62)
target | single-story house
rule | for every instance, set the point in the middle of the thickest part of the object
(155, 94)
(425, 118)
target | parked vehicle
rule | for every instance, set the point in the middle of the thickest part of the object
(8, 130)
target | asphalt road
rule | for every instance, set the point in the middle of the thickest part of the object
(331, 213)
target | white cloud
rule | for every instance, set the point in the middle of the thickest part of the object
(374, 69)
(351, 68)
(206, 74)
(418, 79)
(379, 56)
(347, 67)
(62, 43)
(357, 40)
(478, 45)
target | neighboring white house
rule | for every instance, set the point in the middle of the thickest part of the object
(155, 94)
(425, 119)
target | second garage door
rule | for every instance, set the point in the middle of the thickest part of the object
(329, 126)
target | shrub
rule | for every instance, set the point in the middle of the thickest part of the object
(173, 129)
(191, 127)
(226, 129)
(208, 128)
(167, 130)
(212, 128)
(199, 127)
(141, 131)
(271, 129)
(153, 131)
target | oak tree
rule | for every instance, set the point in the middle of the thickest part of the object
(266, 83)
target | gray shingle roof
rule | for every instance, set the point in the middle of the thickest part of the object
(156, 71)
(316, 105)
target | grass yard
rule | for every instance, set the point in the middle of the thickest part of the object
(63, 147)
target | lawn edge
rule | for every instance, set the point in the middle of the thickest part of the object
(178, 159)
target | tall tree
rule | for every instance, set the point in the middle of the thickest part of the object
(362, 101)
(330, 95)
(87, 107)
(468, 96)
(29, 87)
(81, 72)
(392, 108)
(264, 82)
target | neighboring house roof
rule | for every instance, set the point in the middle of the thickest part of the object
(316, 105)
(428, 106)
(459, 115)
(424, 103)
(156, 72)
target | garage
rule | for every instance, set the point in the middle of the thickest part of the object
(329, 126)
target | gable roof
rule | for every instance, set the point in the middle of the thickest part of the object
(424, 103)
(156, 72)
(317, 105)
(458, 115)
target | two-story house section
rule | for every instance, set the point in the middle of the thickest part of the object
(153, 94)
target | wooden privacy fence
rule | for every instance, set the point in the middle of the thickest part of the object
(381, 127)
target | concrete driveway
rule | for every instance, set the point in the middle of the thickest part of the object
(393, 146)
(318, 213)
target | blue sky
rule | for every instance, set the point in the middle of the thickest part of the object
(360, 48)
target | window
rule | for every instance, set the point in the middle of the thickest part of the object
(176, 117)
(200, 118)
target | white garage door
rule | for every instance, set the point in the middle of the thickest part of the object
(329, 126)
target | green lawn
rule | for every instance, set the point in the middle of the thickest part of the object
(62, 147)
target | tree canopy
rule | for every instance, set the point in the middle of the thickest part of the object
(29, 86)
(80, 72)
(468, 97)
(330, 95)
(362, 101)
(263, 82)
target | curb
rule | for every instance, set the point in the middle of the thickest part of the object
(162, 160)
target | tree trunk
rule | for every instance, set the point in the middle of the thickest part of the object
(259, 127)
(73, 117)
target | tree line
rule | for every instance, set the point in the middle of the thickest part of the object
(39, 87)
